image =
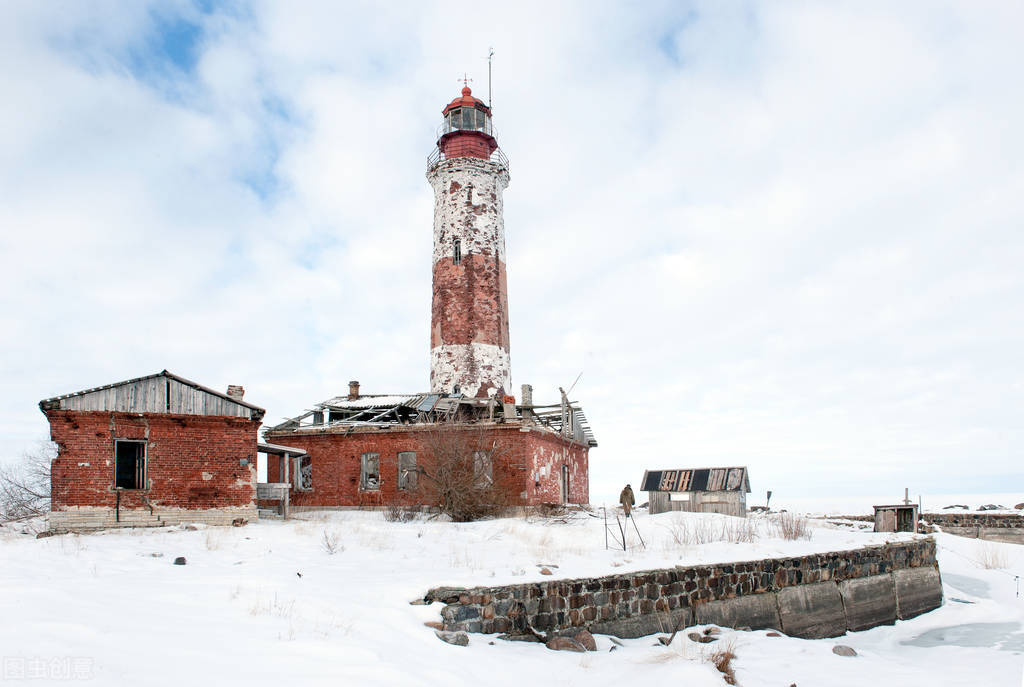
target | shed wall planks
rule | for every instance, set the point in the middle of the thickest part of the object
(151, 396)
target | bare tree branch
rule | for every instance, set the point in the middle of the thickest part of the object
(25, 485)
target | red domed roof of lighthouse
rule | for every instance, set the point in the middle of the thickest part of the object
(466, 100)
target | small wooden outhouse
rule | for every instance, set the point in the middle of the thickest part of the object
(896, 518)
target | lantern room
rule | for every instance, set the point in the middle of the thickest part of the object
(466, 130)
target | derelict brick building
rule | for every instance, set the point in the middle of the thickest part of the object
(364, 450)
(152, 451)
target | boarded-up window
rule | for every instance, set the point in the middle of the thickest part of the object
(370, 473)
(407, 474)
(304, 473)
(483, 470)
(129, 464)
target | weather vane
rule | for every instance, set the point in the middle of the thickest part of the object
(465, 79)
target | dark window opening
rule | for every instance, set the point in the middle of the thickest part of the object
(408, 476)
(130, 464)
(457, 252)
(369, 477)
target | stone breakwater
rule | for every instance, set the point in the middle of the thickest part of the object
(1003, 527)
(818, 595)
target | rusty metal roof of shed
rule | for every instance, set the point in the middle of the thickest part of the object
(697, 479)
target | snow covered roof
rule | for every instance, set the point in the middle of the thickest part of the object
(368, 401)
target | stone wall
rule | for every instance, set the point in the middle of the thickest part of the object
(819, 595)
(1003, 527)
(995, 520)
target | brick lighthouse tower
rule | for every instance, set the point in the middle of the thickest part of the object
(469, 346)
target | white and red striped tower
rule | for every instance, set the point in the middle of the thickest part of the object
(469, 347)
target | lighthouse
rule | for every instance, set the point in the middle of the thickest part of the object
(469, 342)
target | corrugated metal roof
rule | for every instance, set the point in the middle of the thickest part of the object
(370, 401)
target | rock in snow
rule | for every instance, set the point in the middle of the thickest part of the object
(843, 650)
(586, 640)
(180, 560)
(456, 638)
(565, 644)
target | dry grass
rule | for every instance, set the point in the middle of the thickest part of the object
(791, 527)
(696, 532)
(992, 557)
(212, 541)
(274, 607)
(722, 658)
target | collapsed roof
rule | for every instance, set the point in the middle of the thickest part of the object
(346, 413)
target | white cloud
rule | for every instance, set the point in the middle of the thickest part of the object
(784, 235)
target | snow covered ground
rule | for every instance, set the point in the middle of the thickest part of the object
(268, 603)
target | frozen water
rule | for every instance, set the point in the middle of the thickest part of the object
(968, 585)
(1003, 636)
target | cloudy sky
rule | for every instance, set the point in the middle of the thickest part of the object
(780, 234)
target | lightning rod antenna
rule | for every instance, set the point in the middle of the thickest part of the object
(490, 98)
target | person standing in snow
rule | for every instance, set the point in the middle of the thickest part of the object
(626, 499)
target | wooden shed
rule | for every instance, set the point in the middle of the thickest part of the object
(896, 518)
(698, 490)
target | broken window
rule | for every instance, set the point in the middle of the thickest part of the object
(407, 473)
(457, 252)
(370, 473)
(483, 471)
(304, 473)
(129, 464)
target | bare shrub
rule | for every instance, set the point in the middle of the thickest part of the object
(330, 541)
(992, 557)
(398, 512)
(402, 509)
(465, 473)
(25, 486)
(790, 526)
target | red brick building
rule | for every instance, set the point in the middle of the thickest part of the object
(152, 451)
(379, 450)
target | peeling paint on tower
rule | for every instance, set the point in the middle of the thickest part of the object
(469, 337)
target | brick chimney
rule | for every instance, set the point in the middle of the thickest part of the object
(353, 390)
(236, 391)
